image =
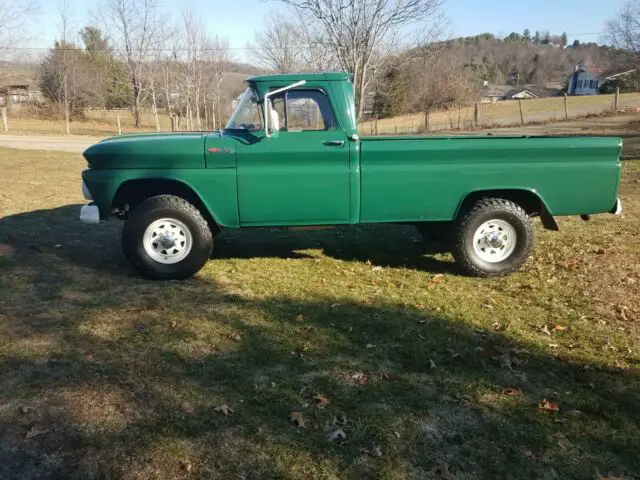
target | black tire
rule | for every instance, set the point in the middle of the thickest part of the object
(159, 207)
(483, 211)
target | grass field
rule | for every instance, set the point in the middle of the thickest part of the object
(428, 374)
(501, 114)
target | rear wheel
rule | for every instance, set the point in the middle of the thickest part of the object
(493, 238)
(167, 238)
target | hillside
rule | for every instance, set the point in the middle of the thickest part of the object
(517, 60)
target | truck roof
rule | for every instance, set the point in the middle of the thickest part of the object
(294, 77)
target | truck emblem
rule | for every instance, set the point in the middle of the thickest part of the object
(218, 150)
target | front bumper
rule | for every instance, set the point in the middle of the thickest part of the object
(90, 214)
(617, 208)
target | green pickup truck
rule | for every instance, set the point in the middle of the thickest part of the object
(291, 156)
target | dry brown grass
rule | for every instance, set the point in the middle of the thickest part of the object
(501, 113)
(106, 375)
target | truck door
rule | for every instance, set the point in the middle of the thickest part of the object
(299, 175)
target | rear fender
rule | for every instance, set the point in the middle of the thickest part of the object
(530, 200)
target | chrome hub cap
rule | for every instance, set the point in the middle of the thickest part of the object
(167, 241)
(494, 241)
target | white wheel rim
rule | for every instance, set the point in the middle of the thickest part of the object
(167, 241)
(494, 241)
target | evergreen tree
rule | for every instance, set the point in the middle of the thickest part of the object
(527, 35)
(109, 87)
(537, 38)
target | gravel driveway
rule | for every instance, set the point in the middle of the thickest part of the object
(37, 142)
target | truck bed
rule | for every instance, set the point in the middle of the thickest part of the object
(426, 178)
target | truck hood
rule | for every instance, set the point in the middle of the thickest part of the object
(155, 150)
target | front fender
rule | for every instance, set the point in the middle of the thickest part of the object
(216, 188)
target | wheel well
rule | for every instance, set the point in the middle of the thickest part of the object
(529, 201)
(133, 192)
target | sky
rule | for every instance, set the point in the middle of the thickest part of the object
(581, 19)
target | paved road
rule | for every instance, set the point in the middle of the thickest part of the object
(37, 142)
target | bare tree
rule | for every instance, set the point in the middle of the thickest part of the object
(218, 59)
(14, 14)
(134, 28)
(439, 80)
(278, 46)
(624, 30)
(356, 30)
(61, 70)
(194, 73)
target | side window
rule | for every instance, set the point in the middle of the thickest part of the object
(304, 110)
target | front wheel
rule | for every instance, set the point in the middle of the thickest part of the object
(166, 238)
(493, 238)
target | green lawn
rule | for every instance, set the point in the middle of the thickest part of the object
(428, 374)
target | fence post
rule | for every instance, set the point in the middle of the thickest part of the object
(476, 115)
(566, 107)
(173, 123)
(375, 124)
(427, 120)
(521, 111)
(5, 122)
(616, 104)
(119, 125)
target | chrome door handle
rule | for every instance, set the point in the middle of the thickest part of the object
(333, 143)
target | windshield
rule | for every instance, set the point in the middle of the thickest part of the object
(247, 114)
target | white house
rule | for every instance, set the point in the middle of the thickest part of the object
(588, 80)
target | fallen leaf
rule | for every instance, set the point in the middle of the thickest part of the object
(376, 269)
(512, 392)
(186, 466)
(35, 431)
(432, 364)
(441, 471)
(340, 420)
(235, 336)
(25, 409)
(321, 400)
(224, 409)
(498, 327)
(298, 419)
(547, 406)
(370, 346)
(545, 330)
(300, 318)
(337, 435)
(505, 361)
(57, 245)
(396, 434)
(553, 345)
(621, 311)
(559, 328)
(360, 377)
(437, 277)
(376, 451)
(173, 324)
(187, 408)
(384, 376)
